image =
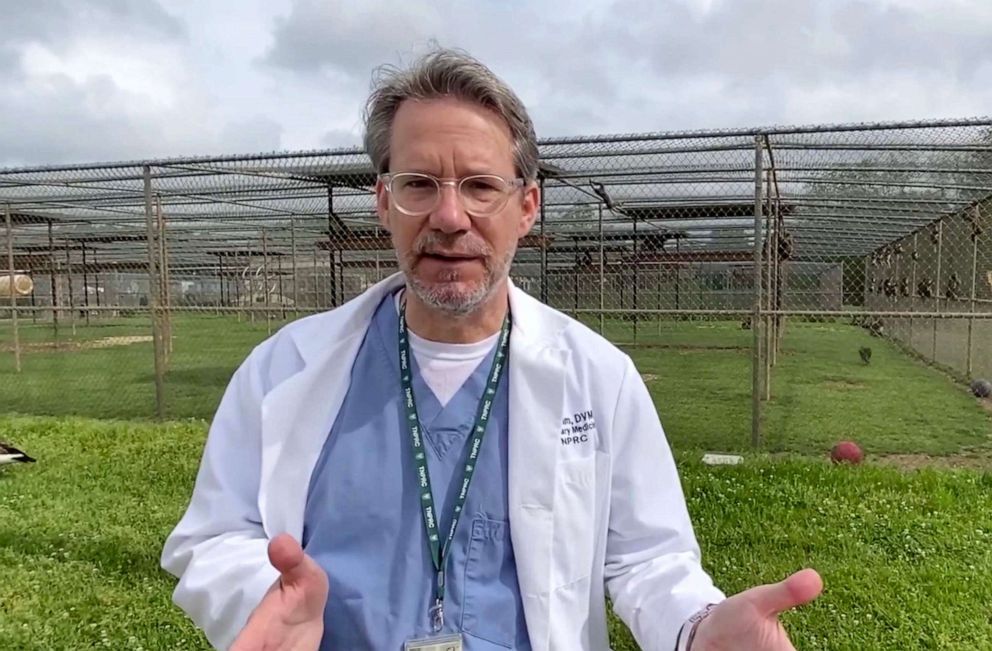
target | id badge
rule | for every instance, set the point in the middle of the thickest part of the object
(439, 643)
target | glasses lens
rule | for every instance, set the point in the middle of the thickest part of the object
(483, 194)
(414, 193)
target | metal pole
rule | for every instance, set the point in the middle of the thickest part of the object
(660, 280)
(940, 250)
(602, 275)
(330, 248)
(544, 251)
(756, 319)
(86, 287)
(153, 298)
(316, 284)
(867, 282)
(166, 280)
(68, 267)
(235, 277)
(778, 321)
(34, 312)
(54, 281)
(13, 293)
(250, 277)
(636, 276)
(912, 289)
(265, 282)
(292, 239)
(771, 241)
(282, 300)
(974, 287)
(220, 275)
(342, 298)
(575, 276)
(96, 282)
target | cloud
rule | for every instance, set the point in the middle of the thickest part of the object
(59, 23)
(337, 138)
(257, 133)
(121, 80)
(643, 65)
(117, 79)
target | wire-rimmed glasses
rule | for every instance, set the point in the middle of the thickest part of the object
(482, 195)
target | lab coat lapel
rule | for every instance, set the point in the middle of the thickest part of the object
(537, 377)
(297, 415)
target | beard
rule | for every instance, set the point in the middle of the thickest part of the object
(451, 291)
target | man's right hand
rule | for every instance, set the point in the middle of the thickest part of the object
(290, 616)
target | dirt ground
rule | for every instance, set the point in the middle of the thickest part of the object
(104, 342)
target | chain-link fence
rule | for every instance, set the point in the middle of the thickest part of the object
(140, 286)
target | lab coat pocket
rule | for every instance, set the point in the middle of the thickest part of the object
(574, 520)
(492, 606)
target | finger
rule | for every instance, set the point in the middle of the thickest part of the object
(800, 588)
(285, 554)
(296, 569)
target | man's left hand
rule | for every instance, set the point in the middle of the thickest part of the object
(749, 619)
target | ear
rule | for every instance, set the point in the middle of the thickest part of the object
(382, 205)
(530, 203)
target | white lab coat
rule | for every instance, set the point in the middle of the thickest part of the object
(600, 507)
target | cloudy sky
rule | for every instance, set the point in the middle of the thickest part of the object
(96, 80)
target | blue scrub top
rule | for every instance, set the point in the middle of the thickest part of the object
(363, 522)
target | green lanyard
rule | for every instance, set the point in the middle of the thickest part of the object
(474, 445)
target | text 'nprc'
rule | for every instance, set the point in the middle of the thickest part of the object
(577, 427)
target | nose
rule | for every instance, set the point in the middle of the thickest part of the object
(449, 216)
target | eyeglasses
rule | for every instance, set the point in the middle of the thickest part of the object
(482, 195)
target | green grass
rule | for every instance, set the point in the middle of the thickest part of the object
(821, 393)
(119, 382)
(906, 556)
(699, 374)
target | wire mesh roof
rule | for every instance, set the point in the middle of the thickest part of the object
(839, 190)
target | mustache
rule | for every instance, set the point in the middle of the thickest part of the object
(436, 243)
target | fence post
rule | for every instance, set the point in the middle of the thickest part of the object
(316, 281)
(164, 276)
(292, 244)
(86, 286)
(912, 288)
(940, 248)
(974, 287)
(544, 250)
(265, 282)
(575, 277)
(756, 318)
(221, 303)
(636, 281)
(13, 292)
(332, 289)
(282, 300)
(867, 283)
(236, 278)
(54, 282)
(153, 298)
(602, 275)
(771, 249)
(68, 282)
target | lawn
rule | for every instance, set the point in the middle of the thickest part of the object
(698, 372)
(906, 556)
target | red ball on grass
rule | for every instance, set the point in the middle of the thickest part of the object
(846, 452)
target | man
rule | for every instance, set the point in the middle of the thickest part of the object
(445, 462)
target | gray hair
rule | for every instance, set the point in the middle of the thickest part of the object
(446, 73)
